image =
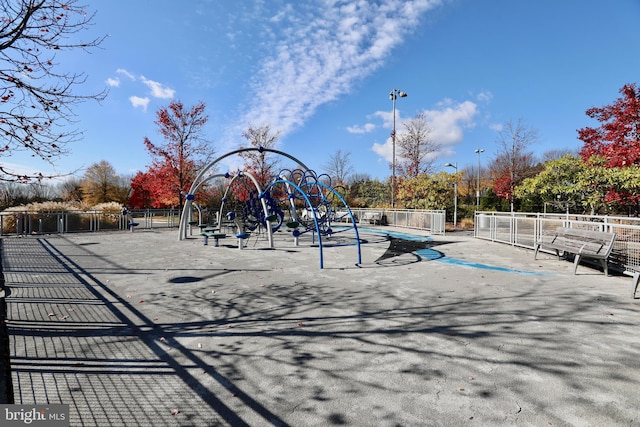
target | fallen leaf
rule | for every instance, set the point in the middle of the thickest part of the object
(52, 314)
(299, 323)
(175, 412)
(141, 301)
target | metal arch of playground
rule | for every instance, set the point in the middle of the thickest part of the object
(305, 195)
(198, 182)
(315, 217)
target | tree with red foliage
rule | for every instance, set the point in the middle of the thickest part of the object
(617, 139)
(141, 194)
(502, 185)
(175, 164)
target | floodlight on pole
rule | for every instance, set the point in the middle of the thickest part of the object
(455, 194)
(478, 151)
(393, 95)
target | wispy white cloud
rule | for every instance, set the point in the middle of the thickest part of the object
(447, 123)
(484, 96)
(324, 51)
(113, 82)
(367, 128)
(158, 90)
(126, 73)
(137, 101)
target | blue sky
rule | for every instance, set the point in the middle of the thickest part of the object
(321, 71)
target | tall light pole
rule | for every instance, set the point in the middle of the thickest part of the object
(478, 151)
(393, 95)
(455, 194)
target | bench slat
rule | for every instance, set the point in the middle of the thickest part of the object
(582, 243)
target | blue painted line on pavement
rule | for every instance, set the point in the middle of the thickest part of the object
(434, 255)
(462, 263)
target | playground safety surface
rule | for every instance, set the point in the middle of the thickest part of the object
(141, 329)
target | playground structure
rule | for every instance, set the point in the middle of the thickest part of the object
(299, 199)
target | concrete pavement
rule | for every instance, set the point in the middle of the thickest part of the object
(141, 329)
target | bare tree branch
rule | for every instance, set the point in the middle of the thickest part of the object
(260, 162)
(514, 161)
(36, 97)
(339, 166)
(415, 146)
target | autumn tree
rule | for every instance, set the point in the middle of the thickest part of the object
(591, 186)
(617, 139)
(514, 161)
(469, 182)
(560, 183)
(262, 164)
(367, 192)
(416, 148)
(37, 97)
(185, 150)
(427, 191)
(141, 196)
(101, 184)
(339, 167)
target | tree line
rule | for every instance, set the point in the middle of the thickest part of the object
(602, 177)
(37, 97)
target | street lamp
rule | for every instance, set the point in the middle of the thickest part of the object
(393, 95)
(478, 151)
(455, 196)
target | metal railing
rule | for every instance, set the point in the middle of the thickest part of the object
(432, 221)
(51, 222)
(27, 222)
(524, 229)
